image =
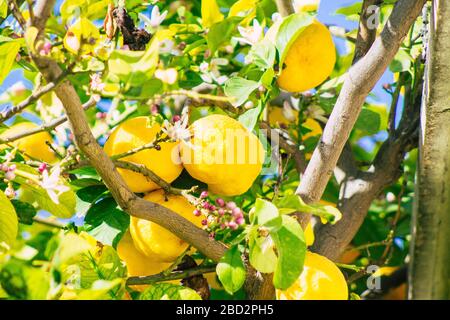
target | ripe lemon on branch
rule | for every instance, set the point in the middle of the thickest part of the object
(309, 60)
(156, 242)
(137, 263)
(223, 154)
(320, 279)
(35, 145)
(163, 161)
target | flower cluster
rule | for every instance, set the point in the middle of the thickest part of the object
(219, 216)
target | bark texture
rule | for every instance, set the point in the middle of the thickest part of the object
(429, 275)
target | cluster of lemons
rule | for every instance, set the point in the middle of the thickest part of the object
(209, 156)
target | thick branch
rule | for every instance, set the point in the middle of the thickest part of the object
(86, 142)
(285, 7)
(359, 81)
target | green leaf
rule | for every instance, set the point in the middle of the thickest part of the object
(91, 193)
(3, 8)
(402, 61)
(292, 203)
(25, 211)
(8, 224)
(352, 12)
(8, 53)
(263, 54)
(210, 13)
(291, 248)
(24, 282)
(100, 290)
(169, 291)
(36, 195)
(266, 214)
(261, 252)
(291, 27)
(239, 89)
(368, 122)
(267, 78)
(221, 33)
(231, 270)
(249, 118)
(82, 261)
(105, 222)
(134, 67)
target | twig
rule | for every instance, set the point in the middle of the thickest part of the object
(15, 10)
(31, 99)
(151, 145)
(49, 222)
(394, 104)
(174, 275)
(45, 127)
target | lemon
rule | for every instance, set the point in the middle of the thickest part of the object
(320, 280)
(309, 235)
(35, 145)
(310, 59)
(137, 263)
(135, 133)
(153, 240)
(223, 154)
(306, 5)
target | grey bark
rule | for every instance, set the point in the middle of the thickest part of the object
(430, 251)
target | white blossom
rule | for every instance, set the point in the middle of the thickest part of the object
(251, 35)
(96, 84)
(168, 76)
(51, 183)
(178, 130)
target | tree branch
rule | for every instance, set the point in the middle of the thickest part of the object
(360, 80)
(174, 275)
(30, 99)
(285, 7)
(44, 127)
(86, 142)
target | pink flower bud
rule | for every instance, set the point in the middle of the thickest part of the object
(205, 205)
(4, 167)
(204, 194)
(176, 118)
(10, 175)
(197, 213)
(231, 205)
(220, 202)
(212, 235)
(240, 221)
(204, 222)
(232, 225)
(221, 212)
(212, 207)
(12, 167)
(236, 212)
(42, 167)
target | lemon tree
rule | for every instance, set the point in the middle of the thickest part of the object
(156, 150)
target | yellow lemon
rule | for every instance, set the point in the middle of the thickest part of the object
(306, 5)
(282, 116)
(81, 37)
(309, 235)
(320, 280)
(310, 59)
(223, 154)
(135, 133)
(35, 145)
(153, 240)
(137, 263)
(213, 281)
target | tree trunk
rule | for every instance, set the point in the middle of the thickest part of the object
(429, 275)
